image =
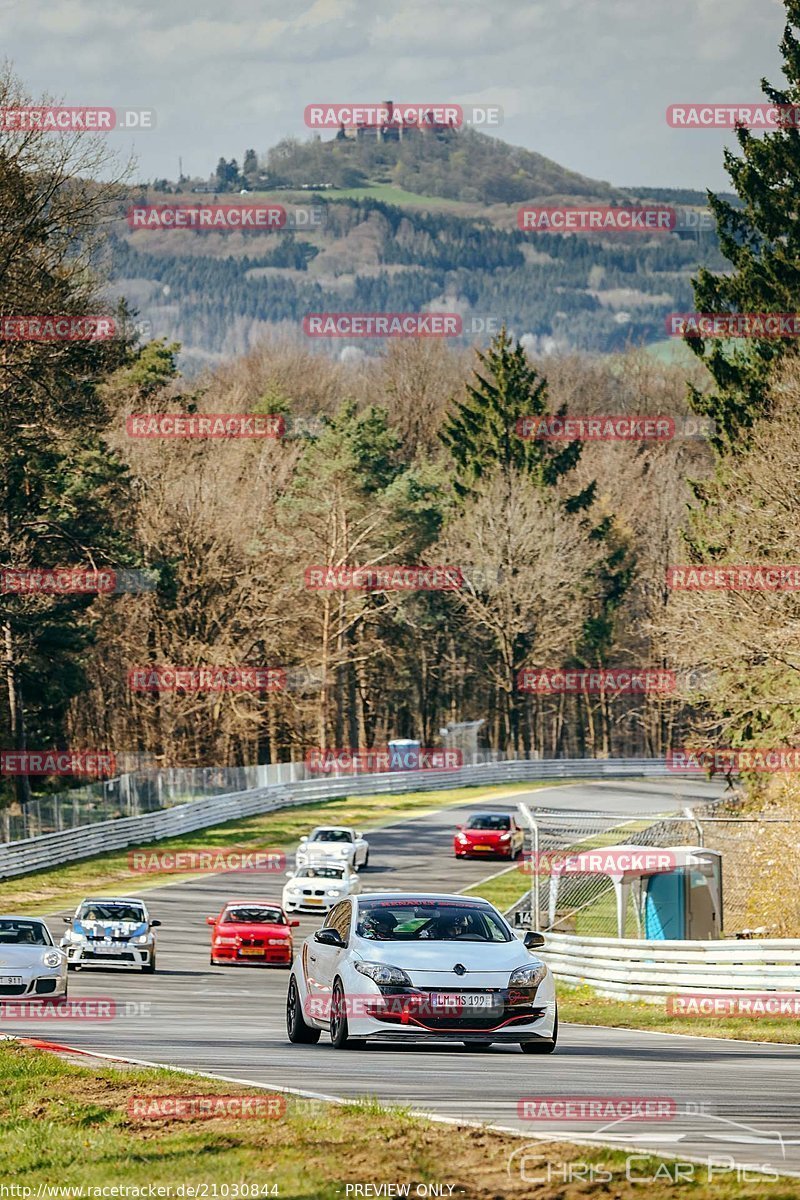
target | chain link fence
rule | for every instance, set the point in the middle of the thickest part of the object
(753, 847)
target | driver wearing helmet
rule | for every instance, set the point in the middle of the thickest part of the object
(378, 924)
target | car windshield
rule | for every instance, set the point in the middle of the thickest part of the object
(253, 915)
(429, 920)
(332, 835)
(104, 911)
(23, 933)
(321, 873)
(490, 821)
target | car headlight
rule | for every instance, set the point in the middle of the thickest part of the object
(333, 891)
(51, 959)
(528, 976)
(141, 939)
(277, 941)
(223, 941)
(380, 973)
(505, 837)
(462, 837)
(294, 889)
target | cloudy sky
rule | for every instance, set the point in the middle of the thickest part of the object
(585, 82)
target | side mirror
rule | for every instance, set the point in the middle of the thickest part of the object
(459, 827)
(290, 874)
(294, 923)
(154, 924)
(211, 920)
(533, 941)
(303, 839)
(67, 920)
(358, 834)
(329, 937)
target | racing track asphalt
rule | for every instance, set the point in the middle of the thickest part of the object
(734, 1099)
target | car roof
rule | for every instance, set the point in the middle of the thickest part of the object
(491, 812)
(113, 900)
(21, 917)
(341, 828)
(252, 904)
(414, 896)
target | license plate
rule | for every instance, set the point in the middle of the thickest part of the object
(482, 846)
(251, 949)
(313, 900)
(10, 981)
(458, 1000)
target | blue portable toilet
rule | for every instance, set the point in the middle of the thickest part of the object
(404, 755)
(685, 903)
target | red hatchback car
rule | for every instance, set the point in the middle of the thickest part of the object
(495, 833)
(254, 932)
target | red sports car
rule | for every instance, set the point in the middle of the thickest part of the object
(489, 833)
(254, 932)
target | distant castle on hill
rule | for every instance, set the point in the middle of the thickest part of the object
(397, 126)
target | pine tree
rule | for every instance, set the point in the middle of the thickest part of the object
(762, 241)
(482, 431)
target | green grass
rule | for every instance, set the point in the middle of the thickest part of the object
(583, 1006)
(69, 1126)
(390, 194)
(45, 891)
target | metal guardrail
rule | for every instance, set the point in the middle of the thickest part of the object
(628, 969)
(70, 845)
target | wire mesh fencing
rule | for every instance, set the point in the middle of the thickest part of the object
(760, 864)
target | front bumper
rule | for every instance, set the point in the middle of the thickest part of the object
(484, 852)
(302, 904)
(48, 985)
(104, 954)
(270, 956)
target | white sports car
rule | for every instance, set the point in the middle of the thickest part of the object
(334, 843)
(315, 889)
(31, 965)
(398, 967)
(116, 932)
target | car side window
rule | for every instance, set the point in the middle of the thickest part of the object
(339, 919)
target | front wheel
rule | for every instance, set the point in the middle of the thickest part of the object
(479, 1046)
(150, 968)
(365, 864)
(296, 1027)
(339, 1029)
(545, 1046)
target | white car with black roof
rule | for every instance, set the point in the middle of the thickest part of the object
(403, 967)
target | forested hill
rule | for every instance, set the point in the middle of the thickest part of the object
(382, 246)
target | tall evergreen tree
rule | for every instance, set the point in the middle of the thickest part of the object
(761, 238)
(482, 431)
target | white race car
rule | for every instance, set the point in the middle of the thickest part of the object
(397, 967)
(315, 889)
(31, 965)
(334, 843)
(116, 932)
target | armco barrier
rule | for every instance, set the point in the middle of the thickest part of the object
(628, 969)
(51, 849)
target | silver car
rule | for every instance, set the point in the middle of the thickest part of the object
(31, 965)
(114, 932)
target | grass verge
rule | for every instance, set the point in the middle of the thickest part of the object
(583, 1006)
(66, 1125)
(45, 891)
